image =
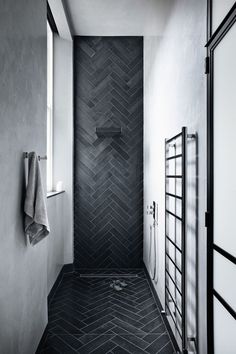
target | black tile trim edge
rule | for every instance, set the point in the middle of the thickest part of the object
(154, 293)
(67, 268)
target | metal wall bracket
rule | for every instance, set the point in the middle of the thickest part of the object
(191, 136)
(207, 219)
(207, 65)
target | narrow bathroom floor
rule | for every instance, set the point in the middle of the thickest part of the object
(87, 315)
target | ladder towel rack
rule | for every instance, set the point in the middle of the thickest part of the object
(175, 262)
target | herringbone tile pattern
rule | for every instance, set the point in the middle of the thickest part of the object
(108, 174)
(87, 316)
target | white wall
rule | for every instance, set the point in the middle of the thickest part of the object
(174, 96)
(56, 241)
(63, 134)
(60, 207)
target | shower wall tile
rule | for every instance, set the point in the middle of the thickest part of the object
(108, 172)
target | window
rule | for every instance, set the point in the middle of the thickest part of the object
(49, 108)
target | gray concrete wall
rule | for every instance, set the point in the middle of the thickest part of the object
(27, 273)
(174, 96)
(23, 270)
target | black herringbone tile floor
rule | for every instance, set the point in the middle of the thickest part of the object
(87, 316)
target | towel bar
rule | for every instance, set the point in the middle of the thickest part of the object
(26, 155)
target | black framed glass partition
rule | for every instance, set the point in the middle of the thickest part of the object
(221, 181)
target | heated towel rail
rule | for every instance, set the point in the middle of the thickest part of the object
(175, 234)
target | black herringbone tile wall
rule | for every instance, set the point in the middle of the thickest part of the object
(87, 316)
(108, 172)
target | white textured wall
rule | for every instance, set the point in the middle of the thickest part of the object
(174, 96)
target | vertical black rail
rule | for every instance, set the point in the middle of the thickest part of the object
(183, 239)
(166, 309)
(175, 226)
(182, 138)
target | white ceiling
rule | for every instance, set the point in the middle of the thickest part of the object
(118, 17)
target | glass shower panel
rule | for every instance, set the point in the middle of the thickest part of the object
(225, 143)
(220, 8)
(225, 279)
(225, 329)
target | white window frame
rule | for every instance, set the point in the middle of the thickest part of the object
(49, 108)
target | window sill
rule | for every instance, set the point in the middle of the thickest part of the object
(53, 193)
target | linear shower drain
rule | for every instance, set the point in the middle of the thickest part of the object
(108, 275)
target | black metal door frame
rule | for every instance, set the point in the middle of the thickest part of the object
(213, 40)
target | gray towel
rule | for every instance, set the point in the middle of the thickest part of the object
(36, 219)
